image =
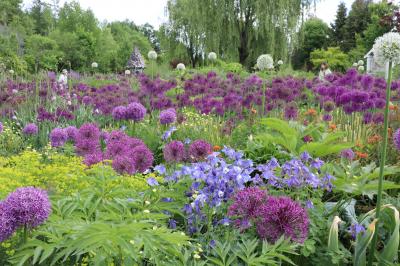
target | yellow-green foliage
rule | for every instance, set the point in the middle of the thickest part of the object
(10, 142)
(59, 174)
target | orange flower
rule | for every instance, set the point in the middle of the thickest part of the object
(216, 148)
(253, 111)
(332, 127)
(361, 155)
(393, 107)
(374, 139)
(311, 112)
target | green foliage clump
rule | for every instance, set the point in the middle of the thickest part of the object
(337, 60)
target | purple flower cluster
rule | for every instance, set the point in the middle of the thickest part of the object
(347, 154)
(168, 116)
(396, 139)
(174, 152)
(27, 206)
(199, 149)
(134, 111)
(1, 127)
(59, 115)
(58, 137)
(30, 129)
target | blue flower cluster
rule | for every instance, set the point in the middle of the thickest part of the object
(222, 174)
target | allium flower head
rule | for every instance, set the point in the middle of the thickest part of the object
(212, 56)
(58, 137)
(396, 139)
(124, 165)
(28, 206)
(282, 216)
(199, 149)
(89, 131)
(72, 132)
(119, 113)
(167, 116)
(95, 65)
(360, 63)
(247, 203)
(152, 55)
(127, 72)
(265, 61)
(280, 62)
(387, 48)
(1, 127)
(93, 158)
(7, 223)
(174, 151)
(30, 129)
(142, 158)
(135, 112)
(347, 154)
(180, 66)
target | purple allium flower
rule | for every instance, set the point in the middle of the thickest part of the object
(86, 146)
(199, 149)
(123, 165)
(291, 112)
(30, 129)
(86, 100)
(142, 158)
(356, 229)
(93, 158)
(89, 131)
(7, 222)
(135, 112)
(367, 118)
(347, 154)
(119, 113)
(174, 151)
(396, 139)
(1, 127)
(167, 116)
(327, 117)
(378, 118)
(282, 216)
(58, 137)
(72, 133)
(152, 182)
(28, 206)
(246, 205)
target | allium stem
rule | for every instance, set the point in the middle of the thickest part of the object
(382, 165)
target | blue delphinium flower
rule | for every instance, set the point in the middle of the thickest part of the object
(152, 182)
(167, 134)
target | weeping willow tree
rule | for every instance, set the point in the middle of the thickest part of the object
(239, 30)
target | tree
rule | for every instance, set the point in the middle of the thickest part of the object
(357, 21)
(42, 16)
(41, 53)
(150, 33)
(9, 9)
(313, 35)
(338, 29)
(336, 59)
(106, 51)
(238, 30)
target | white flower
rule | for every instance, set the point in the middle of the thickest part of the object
(152, 55)
(95, 65)
(355, 65)
(280, 62)
(361, 68)
(11, 71)
(360, 63)
(180, 66)
(265, 61)
(146, 211)
(127, 72)
(212, 56)
(14, 91)
(147, 202)
(387, 48)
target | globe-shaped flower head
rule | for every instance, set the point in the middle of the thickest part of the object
(199, 149)
(28, 206)
(30, 129)
(180, 66)
(360, 63)
(135, 111)
(265, 61)
(167, 116)
(58, 137)
(396, 139)
(212, 56)
(280, 62)
(152, 55)
(119, 113)
(95, 65)
(387, 48)
(174, 151)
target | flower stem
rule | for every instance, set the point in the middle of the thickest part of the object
(381, 166)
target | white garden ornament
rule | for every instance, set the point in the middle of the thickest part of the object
(180, 67)
(212, 56)
(95, 65)
(265, 61)
(152, 55)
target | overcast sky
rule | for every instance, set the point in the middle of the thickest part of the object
(153, 11)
